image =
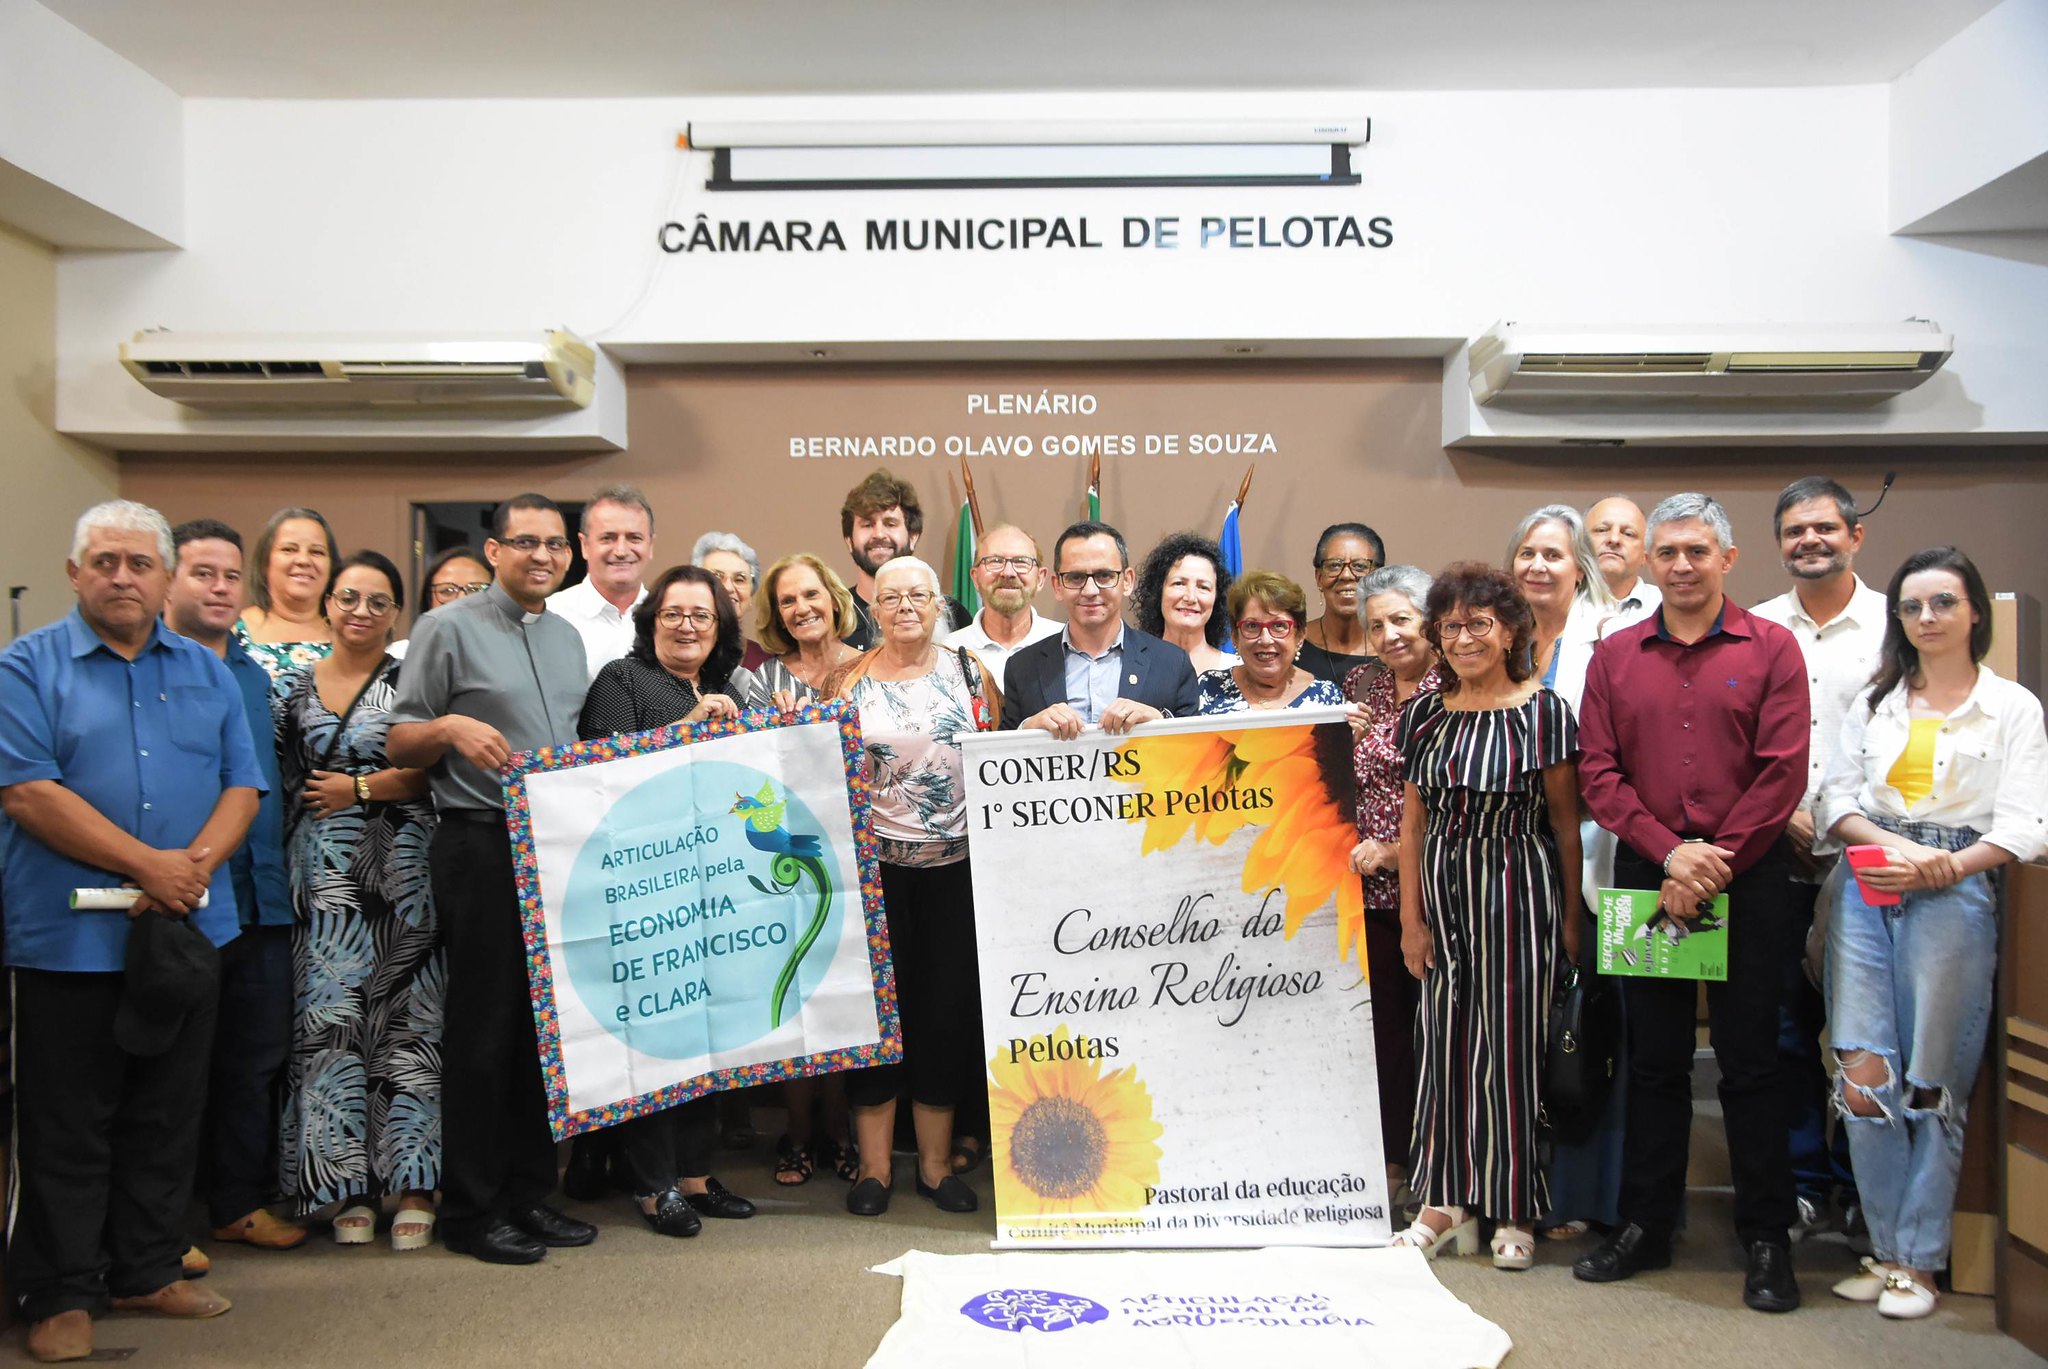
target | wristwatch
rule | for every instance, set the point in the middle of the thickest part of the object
(362, 789)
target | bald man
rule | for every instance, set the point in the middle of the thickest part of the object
(1615, 525)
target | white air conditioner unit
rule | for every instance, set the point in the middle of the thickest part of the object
(520, 372)
(1514, 362)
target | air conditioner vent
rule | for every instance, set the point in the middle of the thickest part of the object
(1777, 364)
(519, 373)
(1617, 362)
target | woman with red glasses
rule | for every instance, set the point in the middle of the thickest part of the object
(1268, 614)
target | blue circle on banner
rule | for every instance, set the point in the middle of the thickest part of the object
(1036, 1309)
(677, 932)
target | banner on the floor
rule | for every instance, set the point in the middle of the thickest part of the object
(1221, 1309)
(1175, 1010)
(702, 911)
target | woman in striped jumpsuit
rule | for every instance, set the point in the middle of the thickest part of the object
(1489, 855)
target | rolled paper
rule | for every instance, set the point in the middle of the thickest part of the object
(112, 900)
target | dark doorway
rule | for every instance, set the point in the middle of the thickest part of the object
(438, 527)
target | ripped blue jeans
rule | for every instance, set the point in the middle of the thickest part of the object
(1912, 984)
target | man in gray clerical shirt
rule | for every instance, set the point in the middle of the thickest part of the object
(488, 676)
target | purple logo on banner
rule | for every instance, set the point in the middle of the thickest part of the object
(1041, 1309)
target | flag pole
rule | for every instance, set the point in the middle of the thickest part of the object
(973, 501)
(1243, 489)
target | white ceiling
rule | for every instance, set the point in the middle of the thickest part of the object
(525, 48)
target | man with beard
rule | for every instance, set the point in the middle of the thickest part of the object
(617, 533)
(1009, 574)
(1840, 623)
(881, 519)
(1615, 525)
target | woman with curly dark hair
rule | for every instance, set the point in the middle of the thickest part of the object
(1182, 591)
(1489, 855)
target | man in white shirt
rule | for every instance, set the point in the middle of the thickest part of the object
(1008, 573)
(1840, 623)
(1615, 525)
(617, 533)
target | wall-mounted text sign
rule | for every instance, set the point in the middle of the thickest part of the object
(1159, 232)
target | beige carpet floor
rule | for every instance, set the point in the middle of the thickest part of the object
(789, 1289)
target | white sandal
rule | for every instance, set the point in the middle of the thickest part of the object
(1514, 1247)
(420, 1218)
(1462, 1231)
(355, 1225)
(1866, 1283)
(1905, 1298)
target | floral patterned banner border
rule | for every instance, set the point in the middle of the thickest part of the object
(540, 978)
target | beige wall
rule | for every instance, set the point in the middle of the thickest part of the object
(48, 480)
(1353, 441)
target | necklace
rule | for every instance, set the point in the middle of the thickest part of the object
(1277, 700)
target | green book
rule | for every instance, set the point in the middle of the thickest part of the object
(1637, 939)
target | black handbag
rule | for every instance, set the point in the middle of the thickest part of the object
(1584, 1052)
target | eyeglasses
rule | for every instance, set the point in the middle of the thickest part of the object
(1023, 565)
(1940, 605)
(376, 605)
(527, 546)
(733, 579)
(1279, 629)
(1336, 566)
(919, 599)
(448, 594)
(1471, 627)
(695, 617)
(1075, 580)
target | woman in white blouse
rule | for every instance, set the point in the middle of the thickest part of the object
(1945, 765)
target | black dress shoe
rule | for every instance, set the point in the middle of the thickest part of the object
(496, 1243)
(868, 1198)
(672, 1215)
(550, 1227)
(1770, 1286)
(948, 1194)
(719, 1201)
(1625, 1253)
(586, 1179)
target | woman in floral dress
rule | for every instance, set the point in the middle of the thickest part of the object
(362, 1112)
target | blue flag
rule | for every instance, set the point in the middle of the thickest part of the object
(1233, 556)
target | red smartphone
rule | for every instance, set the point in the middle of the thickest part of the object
(1869, 857)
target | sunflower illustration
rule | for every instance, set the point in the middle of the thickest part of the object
(1075, 1139)
(1305, 847)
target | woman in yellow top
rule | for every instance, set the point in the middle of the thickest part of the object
(1946, 766)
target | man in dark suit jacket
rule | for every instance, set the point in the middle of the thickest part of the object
(1098, 670)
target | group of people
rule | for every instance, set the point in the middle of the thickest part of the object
(1540, 730)
(325, 944)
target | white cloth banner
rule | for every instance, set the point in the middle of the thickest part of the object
(1176, 1016)
(702, 911)
(1190, 1309)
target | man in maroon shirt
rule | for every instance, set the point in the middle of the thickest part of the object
(1693, 742)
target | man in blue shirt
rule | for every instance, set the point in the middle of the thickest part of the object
(124, 760)
(253, 1032)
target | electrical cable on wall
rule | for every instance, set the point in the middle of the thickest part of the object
(664, 211)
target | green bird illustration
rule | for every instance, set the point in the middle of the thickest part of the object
(795, 855)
